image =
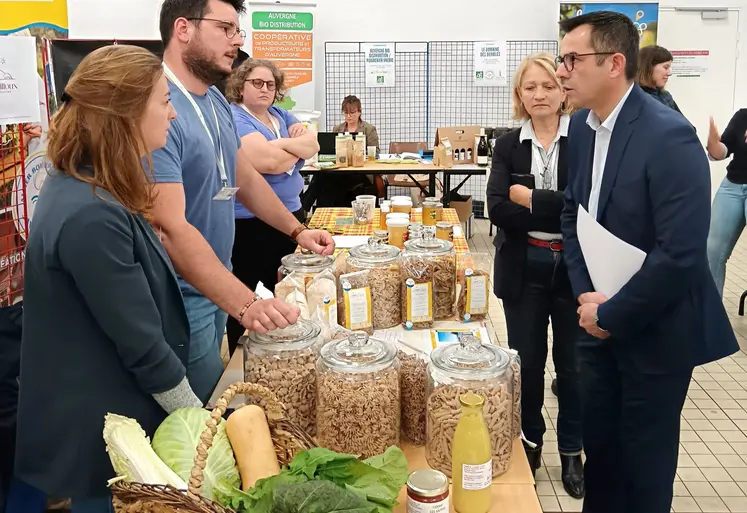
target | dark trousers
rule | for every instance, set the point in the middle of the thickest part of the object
(257, 250)
(11, 323)
(631, 430)
(546, 295)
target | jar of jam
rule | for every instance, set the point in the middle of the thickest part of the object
(427, 492)
(444, 230)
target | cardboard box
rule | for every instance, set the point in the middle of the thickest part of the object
(443, 155)
(461, 138)
(463, 208)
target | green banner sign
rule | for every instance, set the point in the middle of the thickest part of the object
(263, 20)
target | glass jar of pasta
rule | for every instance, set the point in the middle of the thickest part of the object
(469, 366)
(382, 262)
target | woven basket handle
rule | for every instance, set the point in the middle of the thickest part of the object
(274, 410)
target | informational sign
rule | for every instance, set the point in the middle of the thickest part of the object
(19, 88)
(379, 58)
(490, 64)
(284, 34)
(645, 15)
(690, 63)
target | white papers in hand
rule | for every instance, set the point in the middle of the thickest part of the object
(611, 261)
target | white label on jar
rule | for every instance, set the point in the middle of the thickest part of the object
(330, 310)
(477, 477)
(358, 308)
(419, 301)
(477, 294)
(414, 506)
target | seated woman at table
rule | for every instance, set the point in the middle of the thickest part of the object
(338, 190)
(105, 329)
(525, 200)
(276, 144)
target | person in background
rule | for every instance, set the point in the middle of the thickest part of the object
(277, 145)
(200, 173)
(730, 203)
(530, 272)
(637, 168)
(241, 56)
(654, 70)
(352, 110)
(334, 190)
(102, 302)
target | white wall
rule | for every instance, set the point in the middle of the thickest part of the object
(384, 20)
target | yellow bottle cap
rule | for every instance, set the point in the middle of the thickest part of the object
(471, 399)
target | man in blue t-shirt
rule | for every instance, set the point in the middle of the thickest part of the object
(199, 174)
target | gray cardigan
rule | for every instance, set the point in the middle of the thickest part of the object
(104, 328)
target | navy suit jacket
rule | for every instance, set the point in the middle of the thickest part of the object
(655, 195)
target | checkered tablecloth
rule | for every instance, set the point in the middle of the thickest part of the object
(326, 219)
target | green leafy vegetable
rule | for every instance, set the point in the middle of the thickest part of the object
(177, 438)
(318, 497)
(346, 483)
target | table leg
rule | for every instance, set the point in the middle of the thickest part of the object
(447, 189)
(432, 184)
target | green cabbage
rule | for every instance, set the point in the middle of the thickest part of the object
(176, 440)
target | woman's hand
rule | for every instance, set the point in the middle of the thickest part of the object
(520, 195)
(716, 149)
(297, 130)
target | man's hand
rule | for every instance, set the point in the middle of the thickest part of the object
(318, 241)
(591, 297)
(268, 314)
(587, 314)
(297, 130)
(521, 195)
(32, 131)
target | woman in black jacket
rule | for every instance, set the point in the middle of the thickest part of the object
(104, 325)
(525, 199)
(654, 70)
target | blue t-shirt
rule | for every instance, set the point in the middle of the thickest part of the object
(190, 158)
(287, 187)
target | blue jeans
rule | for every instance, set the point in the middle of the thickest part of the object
(207, 324)
(727, 222)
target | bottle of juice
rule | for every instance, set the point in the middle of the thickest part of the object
(471, 458)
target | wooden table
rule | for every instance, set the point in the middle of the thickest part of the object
(513, 492)
(383, 168)
(326, 219)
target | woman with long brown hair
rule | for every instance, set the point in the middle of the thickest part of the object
(105, 330)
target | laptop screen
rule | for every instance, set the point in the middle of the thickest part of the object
(326, 143)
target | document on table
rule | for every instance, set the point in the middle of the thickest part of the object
(611, 261)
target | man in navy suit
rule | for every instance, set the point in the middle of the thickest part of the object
(638, 168)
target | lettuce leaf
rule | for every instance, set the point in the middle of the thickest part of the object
(318, 497)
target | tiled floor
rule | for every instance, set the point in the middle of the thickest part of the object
(712, 472)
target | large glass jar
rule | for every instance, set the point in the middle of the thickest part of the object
(468, 366)
(358, 400)
(434, 260)
(284, 360)
(306, 264)
(382, 262)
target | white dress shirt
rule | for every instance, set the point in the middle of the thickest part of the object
(601, 148)
(545, 164)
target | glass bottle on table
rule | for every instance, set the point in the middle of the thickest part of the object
(482, 149)
(472, 458)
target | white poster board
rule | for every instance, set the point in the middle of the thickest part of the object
(19, 90)
(690, 63)
(380, 59)
(490, 64)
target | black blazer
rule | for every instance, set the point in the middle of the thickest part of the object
(104, 327)
(513, 220)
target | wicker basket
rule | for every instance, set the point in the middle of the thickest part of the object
(288, 439)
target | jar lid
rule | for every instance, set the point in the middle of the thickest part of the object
(428, 483)
(429, 244)
(401, 215)
(307, 262)
(375, 251)
(444, 224)
(432, 204)
(471, 359)
(405, 198)
(397, 221)
(407, 201)
(296, 336)
(358, 353)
